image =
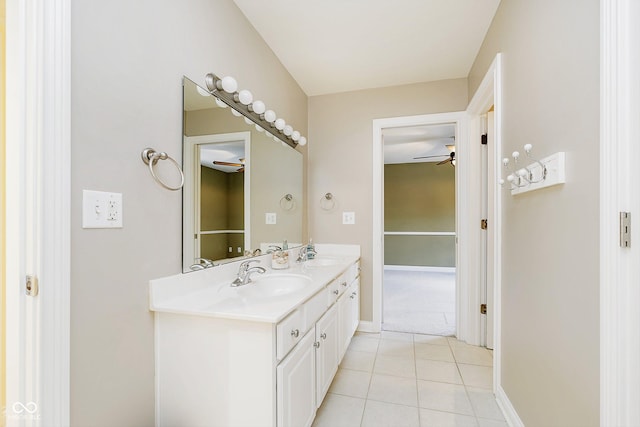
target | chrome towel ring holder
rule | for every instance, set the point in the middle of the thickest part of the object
(151, 157)
(327, 202)
(287, 203)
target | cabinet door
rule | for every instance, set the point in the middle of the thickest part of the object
(354, 307)
(326, 352)
(296, 379)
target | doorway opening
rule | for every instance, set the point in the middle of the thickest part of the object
(419, 280)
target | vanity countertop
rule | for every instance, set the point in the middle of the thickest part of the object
(208, 292)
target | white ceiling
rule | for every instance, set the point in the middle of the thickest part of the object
(332, 46)
(402, 144)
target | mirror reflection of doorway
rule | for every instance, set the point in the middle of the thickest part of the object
(419, 283)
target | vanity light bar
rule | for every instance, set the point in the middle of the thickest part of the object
(225, 89)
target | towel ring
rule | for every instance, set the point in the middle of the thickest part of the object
(327, 202)
(287, 203)
(151, 157)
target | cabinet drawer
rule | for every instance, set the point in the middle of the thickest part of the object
(352, 273)
(288, 332)
(333, 291)
(315, 307)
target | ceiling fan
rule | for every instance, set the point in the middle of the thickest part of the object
(239, 165)
(451, 159)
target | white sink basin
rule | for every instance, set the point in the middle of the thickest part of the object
(323, 262)
(274, 285)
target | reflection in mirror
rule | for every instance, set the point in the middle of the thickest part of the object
(236, 177)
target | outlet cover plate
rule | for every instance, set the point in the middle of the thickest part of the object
(101, 209)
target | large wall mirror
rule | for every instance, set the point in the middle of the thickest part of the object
(243, 189)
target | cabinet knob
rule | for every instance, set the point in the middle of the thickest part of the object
(323, 336)
(316, 344)
(353, 295)
(295, 333)
(336, 292)
(344, 283)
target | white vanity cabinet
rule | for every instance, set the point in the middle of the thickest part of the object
(213, 371)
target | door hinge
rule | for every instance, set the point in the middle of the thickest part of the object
(483, 308)
(483, 224)
(625, 229)
(484, 140)
(31, 285)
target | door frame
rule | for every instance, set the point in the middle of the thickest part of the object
(488, 94)
(38, 146)
(191, 190)
(619, 181)
(463, 284)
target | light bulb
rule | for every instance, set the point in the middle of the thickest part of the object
(295, 135)
(528, 148)
(202, 92)
(220, 103)
(505, 161)
(501, 181)
(227, 84)
(522, 172)
(280, 124)
(515, 155)
(270, 116)
(258, 107)
(288, 130)
(245, 97)
(235, 113)
(510, 178)
(302, 141)
(453, 162)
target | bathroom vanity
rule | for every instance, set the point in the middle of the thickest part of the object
(263, 354)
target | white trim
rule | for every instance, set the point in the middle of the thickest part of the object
(38, 208)
(489, 93)
(419, 233)
(509, 412)
(426, 269)
(619, 268)
(462, 218)
(368, 327)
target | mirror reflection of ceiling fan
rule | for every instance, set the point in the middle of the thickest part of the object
(451, 158)
(239, 165)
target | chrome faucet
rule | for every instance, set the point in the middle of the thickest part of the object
(201, 264)
(307, 252)
(245, 271)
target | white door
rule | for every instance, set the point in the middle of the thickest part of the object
(296, 377)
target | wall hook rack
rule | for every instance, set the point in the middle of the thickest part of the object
(536, 175)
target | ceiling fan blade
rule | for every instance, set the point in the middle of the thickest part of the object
(221, 163)
(430, 157)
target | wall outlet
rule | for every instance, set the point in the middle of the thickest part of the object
(348, 217)
(101, 209)
(270, 218)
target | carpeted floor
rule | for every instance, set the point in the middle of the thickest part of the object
(419, 302)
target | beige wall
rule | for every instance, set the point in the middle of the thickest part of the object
(419, 197)
(127, 62)
(550, 288)
(340, 158)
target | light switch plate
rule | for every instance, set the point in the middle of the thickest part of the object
(348, 217)
(101, 209)
(270, 218)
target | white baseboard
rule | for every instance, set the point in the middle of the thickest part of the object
(367, 326)
(509, 412)
(421, 268)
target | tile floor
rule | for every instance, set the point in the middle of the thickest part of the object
(419, 301)
(405, 380)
